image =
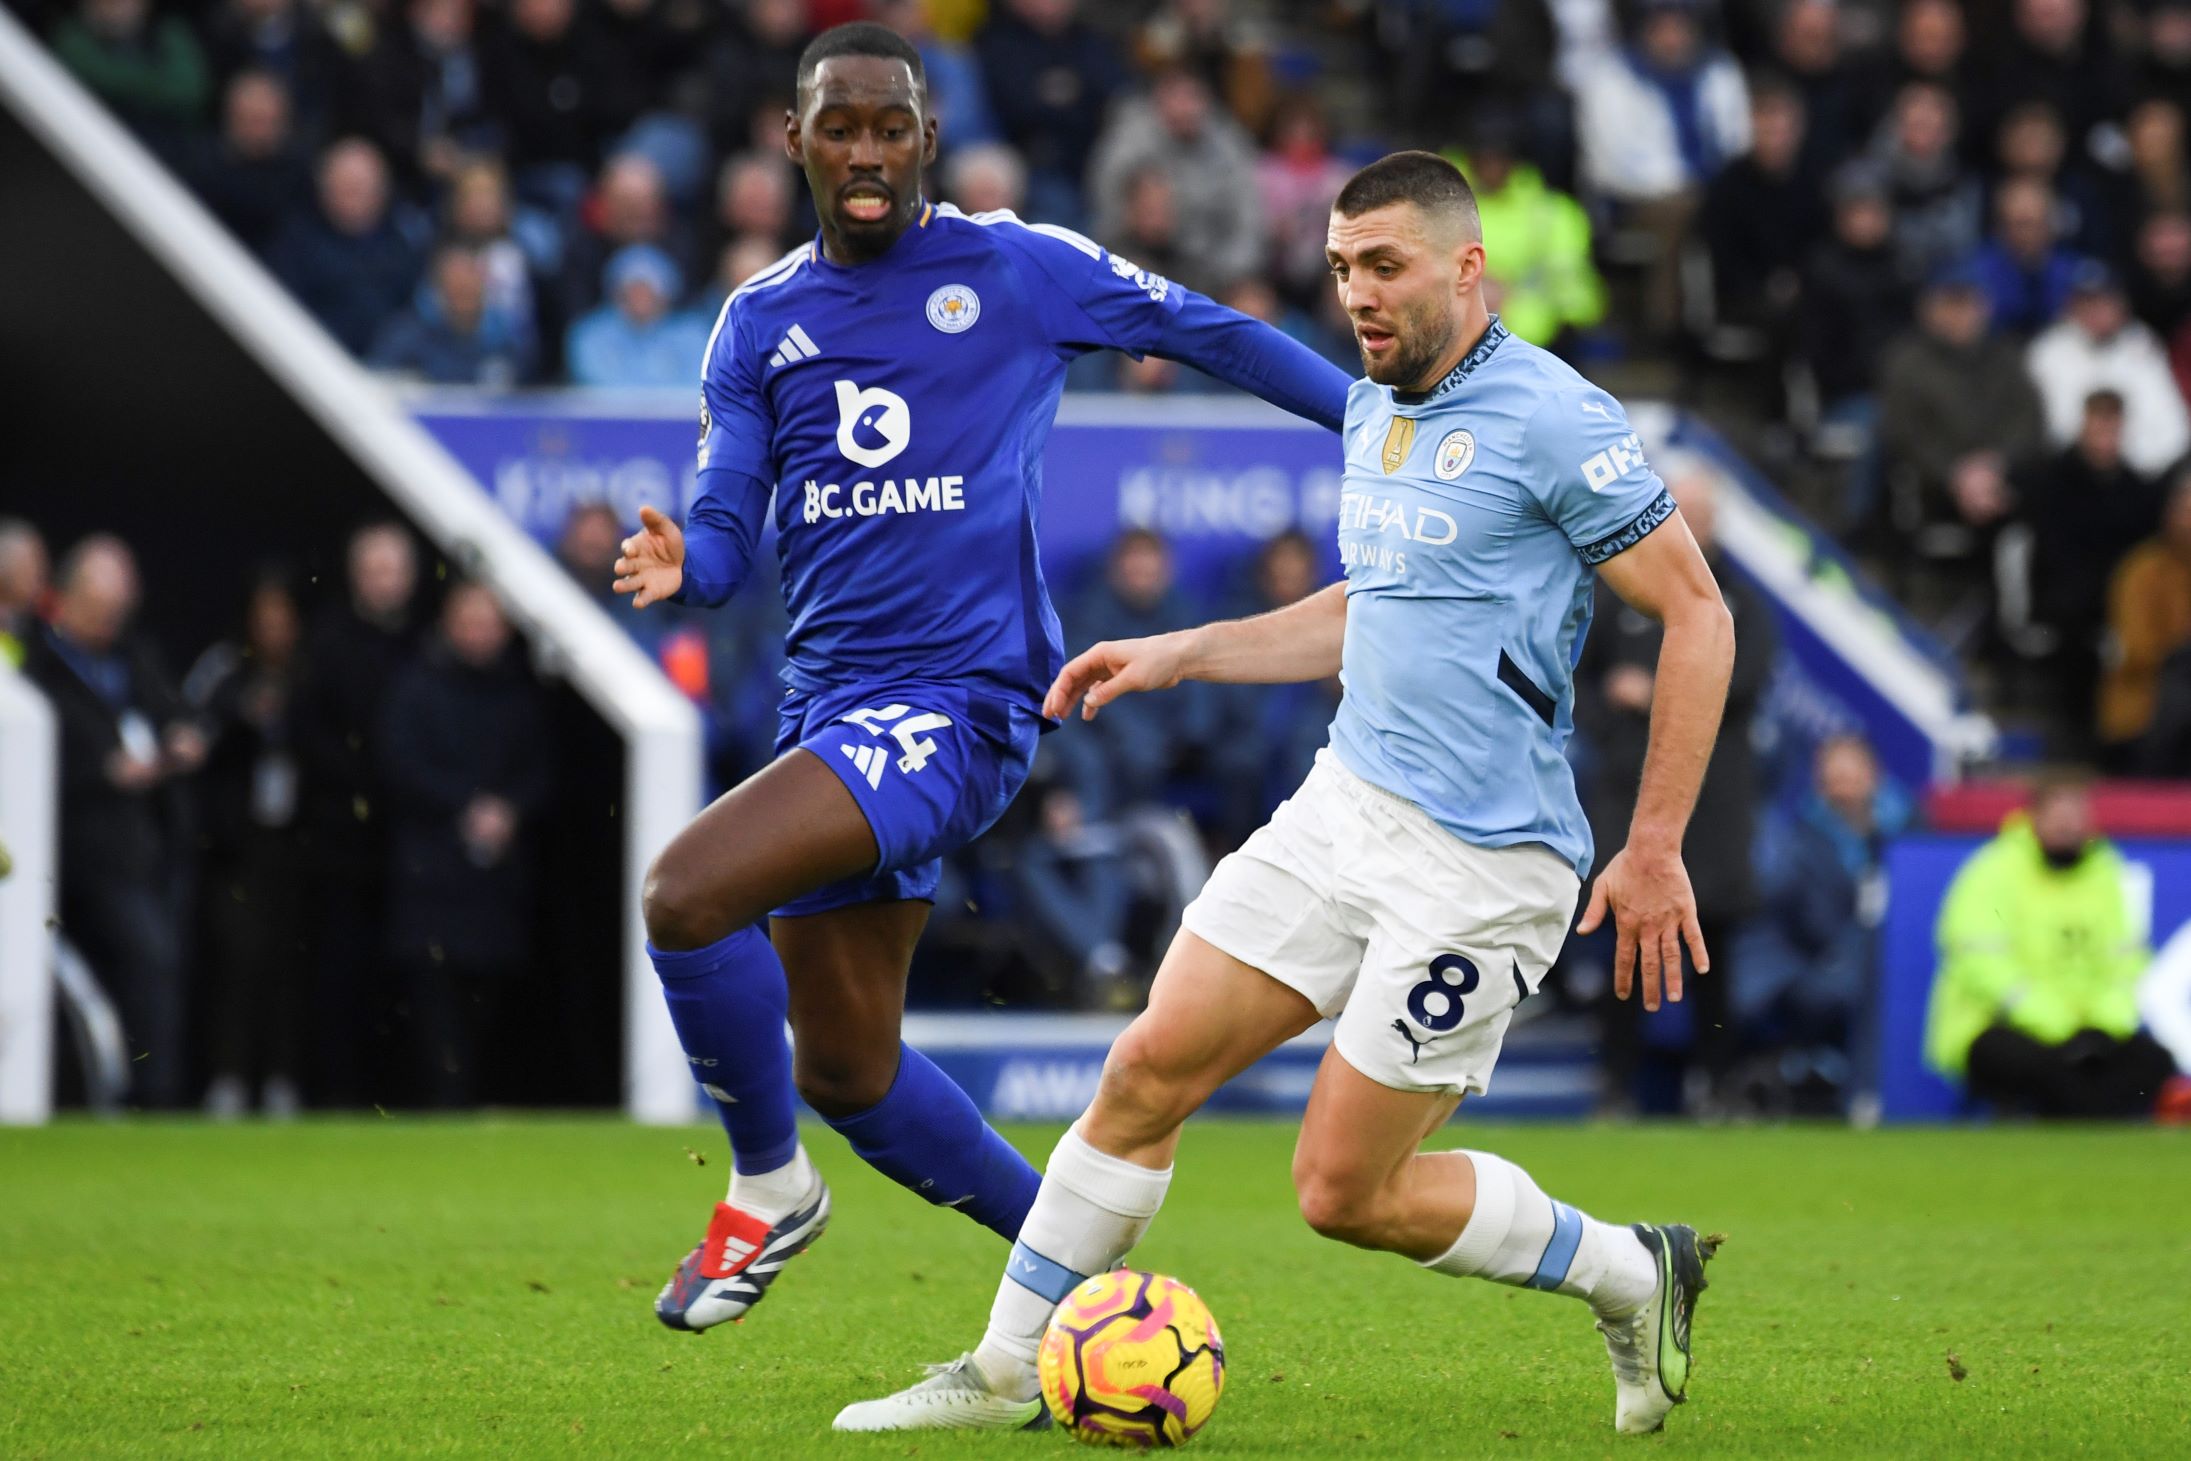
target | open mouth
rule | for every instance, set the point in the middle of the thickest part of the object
(865, 203)
(1375, 339)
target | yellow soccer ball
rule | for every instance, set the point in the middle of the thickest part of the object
(1132, 1359)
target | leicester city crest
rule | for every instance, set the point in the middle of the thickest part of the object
(954, 308)
(1454, 454)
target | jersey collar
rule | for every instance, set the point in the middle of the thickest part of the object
(1490, 340)
(819, 256)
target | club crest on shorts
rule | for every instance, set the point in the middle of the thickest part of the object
(954, 308)
(1454, 454)
(1399, 441)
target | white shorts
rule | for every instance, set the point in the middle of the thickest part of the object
(1420, 945)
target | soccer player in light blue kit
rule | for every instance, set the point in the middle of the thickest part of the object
(892, 385)
(1418, 886)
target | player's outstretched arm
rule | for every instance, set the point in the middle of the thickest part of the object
(1299, 642)
(1257, 358)
(1645, 887)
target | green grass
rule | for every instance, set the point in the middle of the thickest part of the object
(482, 1288)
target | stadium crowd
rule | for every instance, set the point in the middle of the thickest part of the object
(1932, 258)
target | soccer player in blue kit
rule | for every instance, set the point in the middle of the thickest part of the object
(1417, 887)
(892, 384)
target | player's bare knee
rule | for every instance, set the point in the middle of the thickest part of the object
(1143, 1096)
(840, 1083)
(1340, 1205)
(676, 905)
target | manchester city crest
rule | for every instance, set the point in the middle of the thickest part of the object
(954, 308)
(1454, 454)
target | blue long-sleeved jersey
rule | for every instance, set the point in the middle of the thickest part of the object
(898, 411)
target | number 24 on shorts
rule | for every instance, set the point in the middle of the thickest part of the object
(1450, 1009)
(906, 731)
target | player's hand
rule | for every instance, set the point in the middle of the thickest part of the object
(1113, 668)
(653, 565)
(1654, 913)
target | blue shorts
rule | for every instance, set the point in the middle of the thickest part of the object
(931, 766)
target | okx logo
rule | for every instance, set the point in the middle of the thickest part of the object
(902, 724)
(873, 425)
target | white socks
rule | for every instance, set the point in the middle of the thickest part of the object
(1519, 1236)
(772, 1196)
(1091, 1211)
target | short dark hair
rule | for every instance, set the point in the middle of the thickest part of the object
(859, 38)
(2105, 401)
(1422, 178)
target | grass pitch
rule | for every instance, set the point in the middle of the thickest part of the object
(482, 1288)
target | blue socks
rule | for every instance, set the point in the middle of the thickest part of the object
(927, 1135)
(727, 1002)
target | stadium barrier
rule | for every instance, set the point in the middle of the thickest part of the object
(570, 636)
(30, 779)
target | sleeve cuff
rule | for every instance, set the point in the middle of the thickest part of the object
(1639, 527)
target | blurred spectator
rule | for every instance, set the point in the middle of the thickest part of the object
(638, 338)
(550, 92)
(1854, 299)
(1809, 959)
(23, 587)
(253, 172)
(985, 178)
(753, 199)
(1536, 242)
(352, 652)
(468, 771)
(1655, 123)
(742, 258)
(2058, 53)
(2087, 507)
(1299, 178)
(478, 214)
(2148, 620)
(1258, 301)
(1075, 888)
(958, 97)
(2160, 172)
(253, 878)
(2165, 65)
(2034, 1006)
(283, 39)
(2160, 278)
(1147, 230)
(630, 206)
(125, 735)
(417, 94)
(1929, 45)
(1437, 62)
(1210, 162)
(2023, 268)
(1227, 50)
(1937, 209)
(1051, 77)
(1956, 410)
(147, 68)
(1807, 49)
(1762, 213)
(352, 260)
(1138, 595)
(2098, 346)
(2030, 144)
(1616, 679)
(643, 46)
(452, 334)
(753, 67)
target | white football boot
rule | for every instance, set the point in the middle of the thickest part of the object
(954, 1397)
(1650, 1348)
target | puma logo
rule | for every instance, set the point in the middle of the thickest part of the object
(1414, 1046)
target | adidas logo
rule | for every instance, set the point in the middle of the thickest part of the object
(868, 760)
(797, 346)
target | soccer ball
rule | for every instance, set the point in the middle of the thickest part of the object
(1132, 1359)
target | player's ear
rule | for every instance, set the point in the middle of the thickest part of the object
(792, 147)
(1469, 264)
(928, 144)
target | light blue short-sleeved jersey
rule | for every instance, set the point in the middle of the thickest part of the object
(1472, 518)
